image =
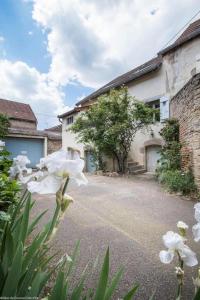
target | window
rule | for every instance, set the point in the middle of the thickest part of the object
(155, 105)
(70, 120)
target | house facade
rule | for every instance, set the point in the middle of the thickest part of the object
(23, 136)
(156, 82)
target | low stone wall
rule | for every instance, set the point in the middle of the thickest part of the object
(185, 106)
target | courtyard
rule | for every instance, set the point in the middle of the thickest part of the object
(129, 215)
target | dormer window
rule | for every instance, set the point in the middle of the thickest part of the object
(70, 120)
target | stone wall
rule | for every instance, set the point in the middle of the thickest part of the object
(22, 124)
(185, 106)
(53, 144)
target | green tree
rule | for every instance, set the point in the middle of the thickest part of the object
(4, 125)
(111, 123)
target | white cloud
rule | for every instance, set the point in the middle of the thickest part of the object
(93, 41)
(2, 39)
(25, 84)
(89, 41)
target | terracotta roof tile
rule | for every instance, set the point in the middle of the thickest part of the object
(191, 32)
(17, 110)
(193, 27)
(57, 128)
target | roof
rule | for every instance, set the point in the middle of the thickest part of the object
(17, 110)
(70, 112)
(191, 32)
(57, 128)
(33, 132)
(144, 69)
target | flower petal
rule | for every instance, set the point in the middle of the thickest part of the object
(188, 256)
(48, 185)
(197, 212)
(196, 232)
(36, 175)
(166, 256)
(80, 179)
(172, 240)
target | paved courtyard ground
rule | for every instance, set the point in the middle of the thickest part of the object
(130, 215)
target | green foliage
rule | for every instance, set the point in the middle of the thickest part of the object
(103, 291)
(169, 169)
(177, 181)
(5, 162)
(4, 125)
(170, 157)
(8, 188)
(8, 192)
(22, 268)
(25, 266)
(111, 123)
(170, 132)
(170, 153)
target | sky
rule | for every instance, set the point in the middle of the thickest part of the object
(55, 52)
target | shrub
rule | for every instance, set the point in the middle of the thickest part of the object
(4, 125)
(8, 188)
(5, 162)
(8, 192)
(169, 171)
(170, 152)
(177, 181)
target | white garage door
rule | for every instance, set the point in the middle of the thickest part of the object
(153, 156)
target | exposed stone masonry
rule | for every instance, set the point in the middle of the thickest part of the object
(185, 106)
(54, 144)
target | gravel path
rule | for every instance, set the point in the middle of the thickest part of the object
(130, 215)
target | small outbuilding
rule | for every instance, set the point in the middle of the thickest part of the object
(23, 137)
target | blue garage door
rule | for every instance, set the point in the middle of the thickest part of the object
(34, 148)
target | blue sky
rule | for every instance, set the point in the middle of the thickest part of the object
(25, 41)
(54, 52)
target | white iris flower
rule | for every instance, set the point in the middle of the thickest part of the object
(176, 244)
(57, 167)
(19, 167)
(196, 227)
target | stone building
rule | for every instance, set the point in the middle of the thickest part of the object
(185, 106)
(23, 135)
(155, 82)
(54, 138)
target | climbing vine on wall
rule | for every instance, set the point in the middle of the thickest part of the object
(169, 170)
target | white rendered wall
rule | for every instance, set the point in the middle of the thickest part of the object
(69, 139)
(181, 65)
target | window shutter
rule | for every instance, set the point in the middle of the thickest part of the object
(164, 108)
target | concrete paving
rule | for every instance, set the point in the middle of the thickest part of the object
(130, 215)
